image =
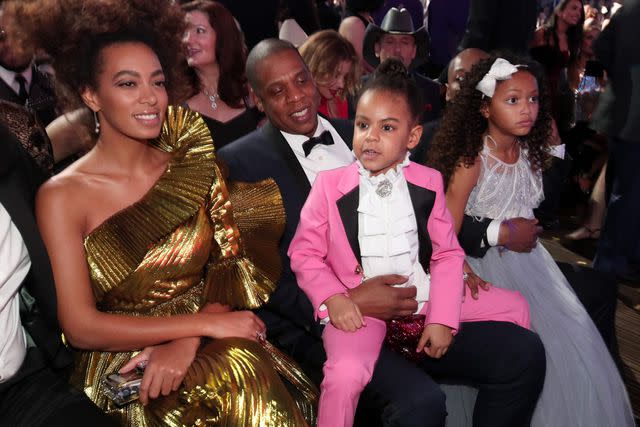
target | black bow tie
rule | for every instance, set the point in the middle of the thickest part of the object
(324, 138)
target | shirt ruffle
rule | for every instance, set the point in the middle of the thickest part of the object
(387, 229)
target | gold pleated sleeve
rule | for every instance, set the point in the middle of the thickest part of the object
(244, 267)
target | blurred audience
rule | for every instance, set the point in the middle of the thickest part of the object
(500, 24)
(446, 23)
(358, 14)
(21, 82)
(618, 117)
(555, 45)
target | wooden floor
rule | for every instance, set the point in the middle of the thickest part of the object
(627, 321)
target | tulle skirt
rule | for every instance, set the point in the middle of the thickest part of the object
(582, 385)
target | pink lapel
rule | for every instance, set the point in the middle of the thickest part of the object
(349, 179)
(416, 174)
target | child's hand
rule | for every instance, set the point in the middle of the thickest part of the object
(344, 314)
(435, 340)
(473, 281)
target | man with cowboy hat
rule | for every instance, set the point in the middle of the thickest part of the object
(396, 38)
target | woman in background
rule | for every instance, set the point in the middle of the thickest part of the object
(216, 53)
(555, 45)
(334, 66)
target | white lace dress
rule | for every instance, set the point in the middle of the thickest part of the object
(582, 385)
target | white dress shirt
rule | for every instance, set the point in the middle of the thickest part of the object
(9, 77)
(388, 230)
(321, 157)
(14, 266)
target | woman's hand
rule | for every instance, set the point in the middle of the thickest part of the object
(435, 340)
(473, 281)
(344, 313)
(243, 324)
(166, 366)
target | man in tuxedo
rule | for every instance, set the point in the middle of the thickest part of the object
(34, 389)
(21, 82)
(292, 148)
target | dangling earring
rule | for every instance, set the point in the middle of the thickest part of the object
(95, 119)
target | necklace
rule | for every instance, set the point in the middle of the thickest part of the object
(213, 98)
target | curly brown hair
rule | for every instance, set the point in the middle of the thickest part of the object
(74, 32)
(459, 139)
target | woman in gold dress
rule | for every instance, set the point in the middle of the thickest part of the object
(146, 252)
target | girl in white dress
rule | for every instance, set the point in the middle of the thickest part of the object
(492, 168)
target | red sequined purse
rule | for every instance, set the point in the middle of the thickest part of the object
(403, 335)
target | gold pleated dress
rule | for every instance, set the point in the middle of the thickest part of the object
(181, 246)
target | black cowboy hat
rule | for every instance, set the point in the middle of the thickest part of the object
(396, 21)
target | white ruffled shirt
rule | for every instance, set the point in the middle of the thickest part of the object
(388, 230)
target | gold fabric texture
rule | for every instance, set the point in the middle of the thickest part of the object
(182, 245)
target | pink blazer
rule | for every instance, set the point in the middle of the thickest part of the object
(324, 252)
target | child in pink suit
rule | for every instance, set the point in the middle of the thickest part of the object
(383, 215)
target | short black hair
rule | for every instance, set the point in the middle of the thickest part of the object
(259, 53)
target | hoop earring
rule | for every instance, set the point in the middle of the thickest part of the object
(95, 119)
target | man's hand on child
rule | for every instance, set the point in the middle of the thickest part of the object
(378, 297)
(519, 234)
(344, 313)
(435, 340)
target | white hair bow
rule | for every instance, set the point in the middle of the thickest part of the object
(500, 70)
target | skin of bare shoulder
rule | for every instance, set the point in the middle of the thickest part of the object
(94, 192)
(69, 187)
(462, 182)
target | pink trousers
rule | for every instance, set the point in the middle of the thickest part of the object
(351, 356)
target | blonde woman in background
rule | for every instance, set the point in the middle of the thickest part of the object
(333, 63)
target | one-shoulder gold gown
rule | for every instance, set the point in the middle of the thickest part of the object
(176, 248)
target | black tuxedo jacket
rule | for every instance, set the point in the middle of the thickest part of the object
(19, 180)
(42, 99)
(263, 154)
(500, 24)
